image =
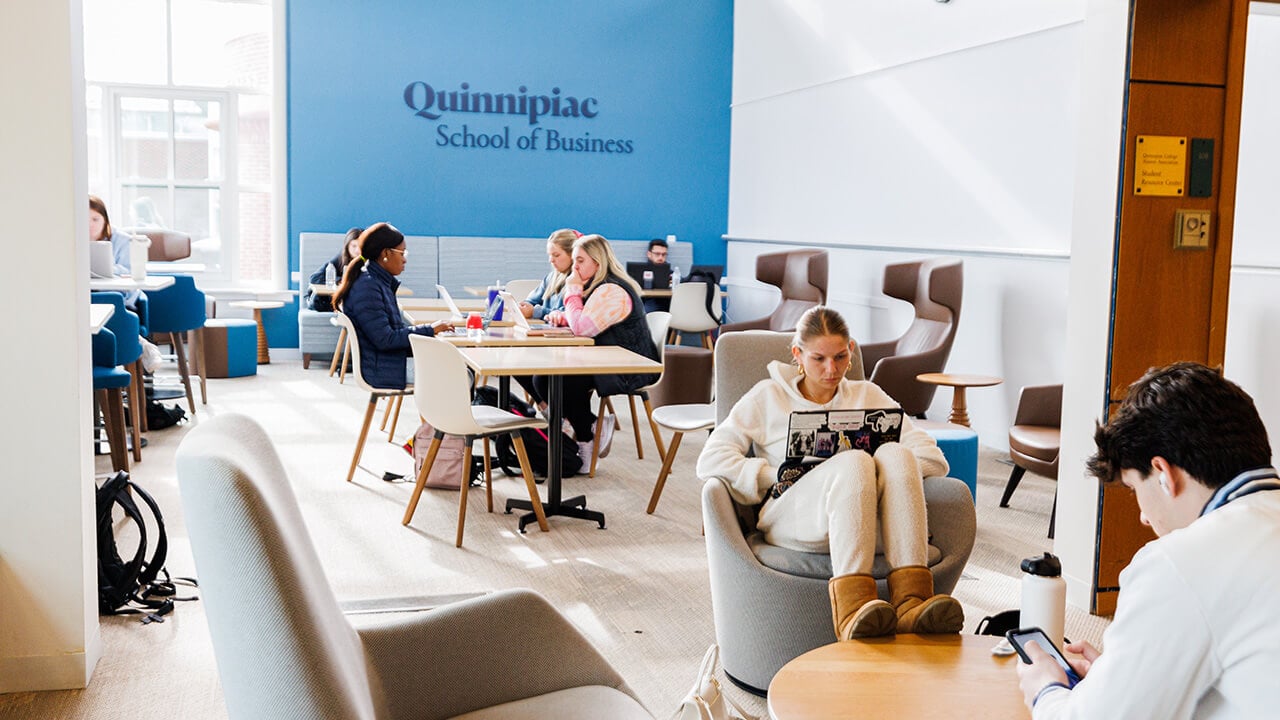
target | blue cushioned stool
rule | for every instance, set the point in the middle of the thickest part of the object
(959, 445)
(230, 347)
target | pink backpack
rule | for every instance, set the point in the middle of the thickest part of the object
(446, 471)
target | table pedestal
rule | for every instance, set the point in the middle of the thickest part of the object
(264, 352)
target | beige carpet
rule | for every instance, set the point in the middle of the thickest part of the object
(638, 589)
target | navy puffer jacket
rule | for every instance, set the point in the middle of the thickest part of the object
(380, 327)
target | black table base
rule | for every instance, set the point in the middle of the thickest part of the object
(575, 507)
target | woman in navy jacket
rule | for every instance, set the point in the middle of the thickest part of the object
(367, 296)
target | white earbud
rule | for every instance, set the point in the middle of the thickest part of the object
(1164, 484)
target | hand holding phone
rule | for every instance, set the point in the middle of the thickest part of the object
(1022, 637)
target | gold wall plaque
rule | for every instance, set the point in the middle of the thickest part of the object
(1161, 165)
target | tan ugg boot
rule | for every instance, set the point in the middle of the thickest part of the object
(918, 609)
(856, 610)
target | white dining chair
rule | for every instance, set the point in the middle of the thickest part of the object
(520, 289)
(446, 404)
(658, 325)
(375, 394)
(689, 311)
(679, 419)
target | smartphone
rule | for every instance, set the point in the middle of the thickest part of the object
(1022, 637)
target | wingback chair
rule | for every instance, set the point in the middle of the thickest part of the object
(934, 287)
(801, 275)
(285, 650)
(771, 604)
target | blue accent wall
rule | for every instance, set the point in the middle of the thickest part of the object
(659, 72)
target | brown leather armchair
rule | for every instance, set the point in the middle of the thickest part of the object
(166, 245)
(801, 275)
(1034, 439)
(934, 287)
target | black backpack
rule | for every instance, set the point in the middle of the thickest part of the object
(536, 441)
(704, 276)
(135, 585)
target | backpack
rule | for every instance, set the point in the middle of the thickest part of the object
(160, 416)
(712, 282)
(133, 586)
(446, 471)
(536, 441)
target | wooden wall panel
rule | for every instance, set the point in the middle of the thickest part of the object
(1163, 295)
(1181, 41)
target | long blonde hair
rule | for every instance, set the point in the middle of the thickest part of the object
(563, 239)
(598, 249)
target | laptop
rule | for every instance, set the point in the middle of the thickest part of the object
(102, 260)
(459, 316)
(522, 325)
(659, 278)
(822, 433)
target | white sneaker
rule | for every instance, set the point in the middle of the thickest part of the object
(606, 435)
(584, 454)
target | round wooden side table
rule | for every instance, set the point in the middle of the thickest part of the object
(959, 409)
(264, 353)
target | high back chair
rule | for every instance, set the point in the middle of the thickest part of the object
(285, 650)
(1035, 438)
(446, 404)
(109, 382)
(178, 311)
(755, 639)
(125, 326)
(801, 277)
(659, 323)
(934, 288)
(375, 393)
(689, 312)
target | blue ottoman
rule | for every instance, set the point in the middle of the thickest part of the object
(959, 445)
(230, 347)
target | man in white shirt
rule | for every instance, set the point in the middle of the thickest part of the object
(1197, 625)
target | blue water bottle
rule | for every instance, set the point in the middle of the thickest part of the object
(494, 289)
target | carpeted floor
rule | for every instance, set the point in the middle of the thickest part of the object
(638, 589)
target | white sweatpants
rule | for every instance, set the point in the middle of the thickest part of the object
(838, 506)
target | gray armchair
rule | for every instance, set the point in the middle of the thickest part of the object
(285, 650)
(771, 604)
(935, 288)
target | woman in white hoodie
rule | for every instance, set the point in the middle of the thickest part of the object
(838, 506)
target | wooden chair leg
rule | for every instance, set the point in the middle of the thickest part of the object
(364, 433)
(657, 436)
(668, 460)
(113, 422)
(422, 477)
(346, 352)
(142, 392)
(176, 340)
(462, 494)
(595, 441)
(197, 343)
(488, 478)
(395, 418)
(635, 426)
(1015, 477)
(527, 470)
(337, 351)
(137, 401)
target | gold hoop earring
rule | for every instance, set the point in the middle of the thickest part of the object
(801, 369)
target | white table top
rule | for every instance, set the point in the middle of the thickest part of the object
(508, 337)
(579, 360)
(125, 284)
(99, 314)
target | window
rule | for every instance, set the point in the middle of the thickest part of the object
(179, 100)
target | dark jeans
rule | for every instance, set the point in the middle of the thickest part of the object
(575, 400)
(526, 382)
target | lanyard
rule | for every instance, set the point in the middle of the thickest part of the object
(1246, 483)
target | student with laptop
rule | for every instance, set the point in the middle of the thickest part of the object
(657, 255)
(837, 505)
(600, 301)
(100, 229)
(367, 295)
(549, 295)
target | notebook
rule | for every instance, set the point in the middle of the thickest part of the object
(823, 433)
(522, 325)
(102, 261)
(660, 279)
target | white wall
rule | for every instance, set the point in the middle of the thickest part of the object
(1253, 316)
(48, 584)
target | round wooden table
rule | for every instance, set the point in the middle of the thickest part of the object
(959, 409)
(907, 676)
(264, 353)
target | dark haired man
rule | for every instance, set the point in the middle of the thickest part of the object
(657, 254)
(1196, 631)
